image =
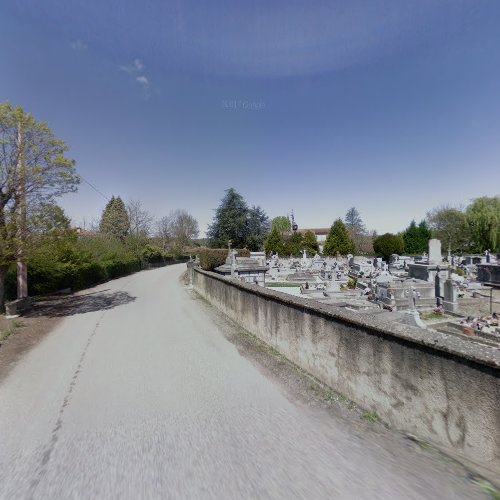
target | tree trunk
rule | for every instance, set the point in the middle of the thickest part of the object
(3, 274)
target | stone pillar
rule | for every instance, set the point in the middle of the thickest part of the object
(450, 303)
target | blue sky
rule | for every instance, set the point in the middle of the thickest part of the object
(315, 106)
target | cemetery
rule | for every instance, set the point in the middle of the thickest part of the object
(458, 295)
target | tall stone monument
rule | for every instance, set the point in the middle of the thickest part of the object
(435, 256)
(434, 270)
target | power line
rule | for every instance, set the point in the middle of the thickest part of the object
(93, 187)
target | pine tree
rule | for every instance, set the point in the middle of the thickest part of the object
(416, 238)
(425, 234)
(293, 244)
(230, 222)
(258, 227)
(310, 243)
(388, 244)
(274, 243)
(410, 238)
(338, 240)
(114, 220)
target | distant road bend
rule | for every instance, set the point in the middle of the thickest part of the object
(140, 394)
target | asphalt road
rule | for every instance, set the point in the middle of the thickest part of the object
(139, 394)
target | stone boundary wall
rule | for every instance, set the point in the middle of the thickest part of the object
(440, 388)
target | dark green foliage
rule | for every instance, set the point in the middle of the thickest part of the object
(388, 244)
(210, 258)
(230, 222)
(274, 243)
(338, 240)
(152, 254)
(258, 228)
(416, 238)
(235, 222)
(293, 245)
(76, 263)
(46, 173)
(114, 220)
(310, 243)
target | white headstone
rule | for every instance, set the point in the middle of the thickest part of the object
(435, 251)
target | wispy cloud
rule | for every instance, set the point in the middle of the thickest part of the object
(144, 82)
(135, 70)
(78, 45)
(135, 67)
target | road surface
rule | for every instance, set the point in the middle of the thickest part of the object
(139, 394)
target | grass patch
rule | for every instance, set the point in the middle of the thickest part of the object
(371, 416)
(488, 488)
(11, 330)
(330, 396)
(432, 315)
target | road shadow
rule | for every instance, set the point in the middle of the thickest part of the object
(60, 306)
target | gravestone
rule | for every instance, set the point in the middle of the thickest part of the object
(435, 251)
(450, 303)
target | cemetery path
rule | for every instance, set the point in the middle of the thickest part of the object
(138, 393)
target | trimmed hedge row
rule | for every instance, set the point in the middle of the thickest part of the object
(51, 276)
(210, 258)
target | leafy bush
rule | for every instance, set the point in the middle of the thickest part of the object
(54, 265)
(242, 252)
(152, 254)
(388, 244)
(210, 258)
(459, 271)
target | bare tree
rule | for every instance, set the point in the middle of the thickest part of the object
(177, 229)
(140, 219)
(164, 232)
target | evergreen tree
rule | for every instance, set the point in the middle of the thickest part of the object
(293, 244)
(388, 244)
(425, 235)
(274, 243)
(310, 243)
(235, 222)
(338, 240)
(416, 238)
(258, 228)
(114, 220)
(230, 222)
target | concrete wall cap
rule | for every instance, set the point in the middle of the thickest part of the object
(461, 348)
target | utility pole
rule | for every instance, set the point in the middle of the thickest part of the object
(22, 268)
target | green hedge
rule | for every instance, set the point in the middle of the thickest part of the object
(210, 258)
(55, 265)
(243, 252)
